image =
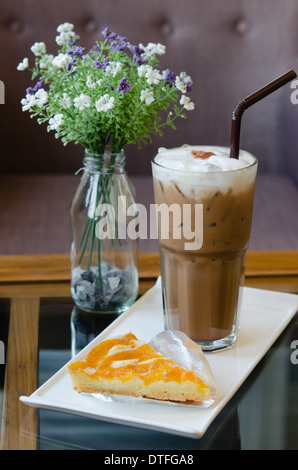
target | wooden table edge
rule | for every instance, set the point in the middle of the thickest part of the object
(56, 267)
(26, 279)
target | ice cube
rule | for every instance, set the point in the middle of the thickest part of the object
(113, 282)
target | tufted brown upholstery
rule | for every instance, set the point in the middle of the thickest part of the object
(230, 48)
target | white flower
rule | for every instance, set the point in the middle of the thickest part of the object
(104, 103)
(55, 122)
(64, 37)
(45, 61)
(180, 85)
(41, 97)
(185, 78)
(147, 96)
(182, 82)
(90, 83)
(99, 82)
(113, 68)
(28, 102)
(38, 48)
(65, 27)
(158, 48)
(61, 60)
(81, 102)
(152, 49)
(143, 69)
(24, 64)
(153, 77)
(185, 101)
(66, 101)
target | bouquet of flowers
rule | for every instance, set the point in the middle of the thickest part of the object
(113, 94)
(104, 99)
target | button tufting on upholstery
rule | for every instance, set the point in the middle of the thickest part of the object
(166, 28)
(90, 26)
(15, 26)
(242, 26)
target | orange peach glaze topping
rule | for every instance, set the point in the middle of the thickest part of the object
(139, 359)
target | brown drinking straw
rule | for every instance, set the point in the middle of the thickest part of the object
(250, 100)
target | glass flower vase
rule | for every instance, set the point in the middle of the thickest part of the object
(104, 259)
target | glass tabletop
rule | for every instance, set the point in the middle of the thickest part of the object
(263, 414)
(4, 325)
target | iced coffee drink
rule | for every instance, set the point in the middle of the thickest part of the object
(204, 202)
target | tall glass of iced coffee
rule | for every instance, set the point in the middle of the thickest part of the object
(204, 202)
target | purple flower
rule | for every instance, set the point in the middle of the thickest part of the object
(139, 60)
(32, 91)
(38, 86)
(109, 35)
(106, 32)
(95, 48)
(123, 86)
(96, 64)
(78, 51)
(71, 63)
(170, 78)
(118, 43)
(136, 50)
(101, 65)
(73, 40)
(188, 86)
(137, 54)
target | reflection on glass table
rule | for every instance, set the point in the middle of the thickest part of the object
(41, 330)
(262, 414)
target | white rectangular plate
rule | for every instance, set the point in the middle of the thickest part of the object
(264, 315)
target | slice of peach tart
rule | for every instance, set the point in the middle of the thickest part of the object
(125, 365)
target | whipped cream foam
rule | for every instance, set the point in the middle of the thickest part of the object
(194, 168)
(188, 158)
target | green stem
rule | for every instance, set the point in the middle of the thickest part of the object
(99, 262)
(108, 201)
(86, 229)
(91, 245)
(89, 223)
(103, 189)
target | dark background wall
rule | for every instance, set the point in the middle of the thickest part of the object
(230, 48)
